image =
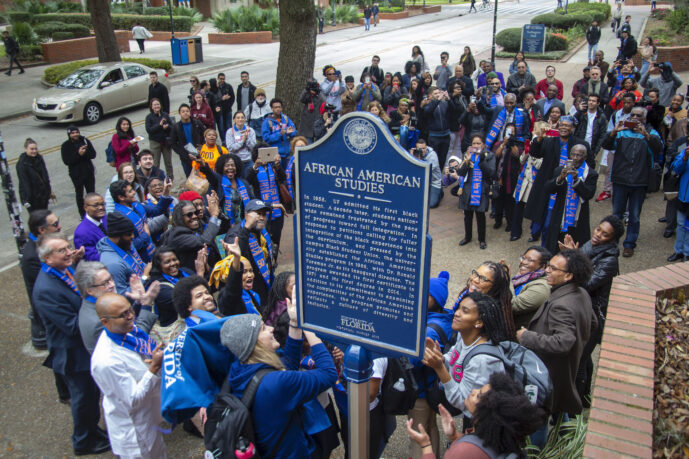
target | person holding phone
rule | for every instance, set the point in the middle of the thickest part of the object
(159, 128)
(366, 93)
(124, 142)
(77, 152)
(278, 129)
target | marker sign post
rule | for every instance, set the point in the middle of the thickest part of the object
(362, 250)
(533, 38)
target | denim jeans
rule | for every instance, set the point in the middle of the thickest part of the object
(631, 197)
(592, 52)
(644, 66)
(435, 196)
(367, 23)
(682, 238)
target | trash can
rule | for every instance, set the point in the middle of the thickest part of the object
(177, 52)
(194, 49)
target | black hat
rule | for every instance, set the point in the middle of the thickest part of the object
(118, 225)
(349, 79)
(72, 128)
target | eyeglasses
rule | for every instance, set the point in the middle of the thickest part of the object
(128, 313)
(555, 268)
(481, 278)
(96, 204)
(530, 260)
(193, 81)
(56, 224)
(155, 185)
(107, 281)
(189, 214)
(495, 84)
(330, 74)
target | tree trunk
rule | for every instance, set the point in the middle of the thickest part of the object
(106, 43)
(297, 53)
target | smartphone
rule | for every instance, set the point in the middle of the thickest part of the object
(570, 164)
(630, 124)
(367, 80)
(472, 99)
(268, 155)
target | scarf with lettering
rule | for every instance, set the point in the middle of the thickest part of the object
(476, 181)
(247, 296)
(288, 173)
(132, 258)
(227, 189)
(136, 340)
(67, 277)
(520, 180)
(258, 255)
(572, 199)
(461, 296)
(520, 280)
(564, 155)
(137, 215)
(269, 188)
(500, 122)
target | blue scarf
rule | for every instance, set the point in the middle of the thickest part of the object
(137, 215)
(461, 296)
(137, 340)
(269, 189)
(203, 316)
(227, 189)
(247, 297)
(500, 122)
(174, 280)
(33, 237)
(258, 256)
(288, 172)
(572, 201)
(564, 155)
(91, 299)
(517, 190)
(67, 277)
(364, 93)
(132, 258)
(154, 202)
(476, 181)
(495, 101)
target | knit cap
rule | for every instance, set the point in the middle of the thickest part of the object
(437, 288)
(117, 225)
(239, 334)
(259, 92)
(189, 196)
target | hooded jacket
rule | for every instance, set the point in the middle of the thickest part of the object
(187, 243)
(425, 377)
(117, 267)
(634, 156)
(280, 395)
(605, 261)
(34, 183)
(79, 166)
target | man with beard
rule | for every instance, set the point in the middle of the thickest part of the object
(592, 124)
(77, 153)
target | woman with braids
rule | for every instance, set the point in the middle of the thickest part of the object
(492, 279)
(276, 302)
(503, 416)
(477, 320)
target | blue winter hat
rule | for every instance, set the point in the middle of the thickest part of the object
(437, 288)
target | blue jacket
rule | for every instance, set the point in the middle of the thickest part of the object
(680, 167)
(280, 394)
(425, 377)
(58, 305)
(271, 133)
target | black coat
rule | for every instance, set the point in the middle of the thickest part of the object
(586, 189)
(605, 260)
(225, 105)
(242, 234)
(178, 140)
(467, 88)
(240, 90)
(629, 48)
(79, 166)
(593, 35)
(34, 183)
(634, 157)
(467, 120)
(230, 301)
(187, 243)
(159, 91)
(11, 46)
(603, 92)
(549, 150)
(31, 266)
(215, 182)
(153, 128)
(487, 165)
(600, 128)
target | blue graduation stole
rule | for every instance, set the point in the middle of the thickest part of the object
(247, 296)
(500, 122)
(476, 181)
(33, 237)
(174, 280)
(258, 256)
(268, 187)
(227, 189)
(288, 172)
(572, 201)
(91, 299)
(137, 215)
(137, 340)
(361, 101)
(132, 258)
(67, 277)
(534, 171)
(563, 160)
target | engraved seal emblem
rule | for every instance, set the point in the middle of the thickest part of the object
(360, 136)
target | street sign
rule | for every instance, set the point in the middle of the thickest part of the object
(533, 38)
(361, 248)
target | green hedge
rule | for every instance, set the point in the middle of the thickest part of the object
(157, 11)
(55, 73)
(29, 52)
(561, 21)
(510, 40)
(578, 7)
(120, 21)
(19, 16)
(57, 36)
(47, 29)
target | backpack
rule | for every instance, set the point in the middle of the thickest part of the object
(399, 390)
(487, 450)
(109, 153)
(524, 366)
(229, 430)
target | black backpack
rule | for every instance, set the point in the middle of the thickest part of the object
(399, 390)
(229, 430)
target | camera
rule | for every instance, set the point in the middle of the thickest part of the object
(453, 170)
(313, 86)
(417, 152)
(330, 107)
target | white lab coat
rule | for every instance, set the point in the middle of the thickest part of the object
(131, 399)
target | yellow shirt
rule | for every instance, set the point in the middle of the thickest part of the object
(210, 155)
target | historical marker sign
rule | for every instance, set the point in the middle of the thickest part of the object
(362, 252)
(533, 38)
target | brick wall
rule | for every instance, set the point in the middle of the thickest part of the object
(240, 38)
(620, 420)
(678, 55)
(80, 48)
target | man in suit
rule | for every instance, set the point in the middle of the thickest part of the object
(561, 327)
(58, 300)
(92, 227)
(550, 100)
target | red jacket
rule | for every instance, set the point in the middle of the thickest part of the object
(123, 150)
(542, 88)
(203, 114)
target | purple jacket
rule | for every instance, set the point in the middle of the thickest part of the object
(87, 234)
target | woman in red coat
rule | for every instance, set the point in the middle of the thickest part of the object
(124, 142)
(628, 85)
(202, 111)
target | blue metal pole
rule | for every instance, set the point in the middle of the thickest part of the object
(357, 370)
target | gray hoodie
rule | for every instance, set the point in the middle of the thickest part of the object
(474, 376)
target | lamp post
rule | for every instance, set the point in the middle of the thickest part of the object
(495, 24)
(172, 23)
(333, 22)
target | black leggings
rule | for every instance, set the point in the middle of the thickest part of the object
(480, 224)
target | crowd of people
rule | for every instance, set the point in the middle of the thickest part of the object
(149, 263)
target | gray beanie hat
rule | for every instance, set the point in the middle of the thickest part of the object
(239, 334)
